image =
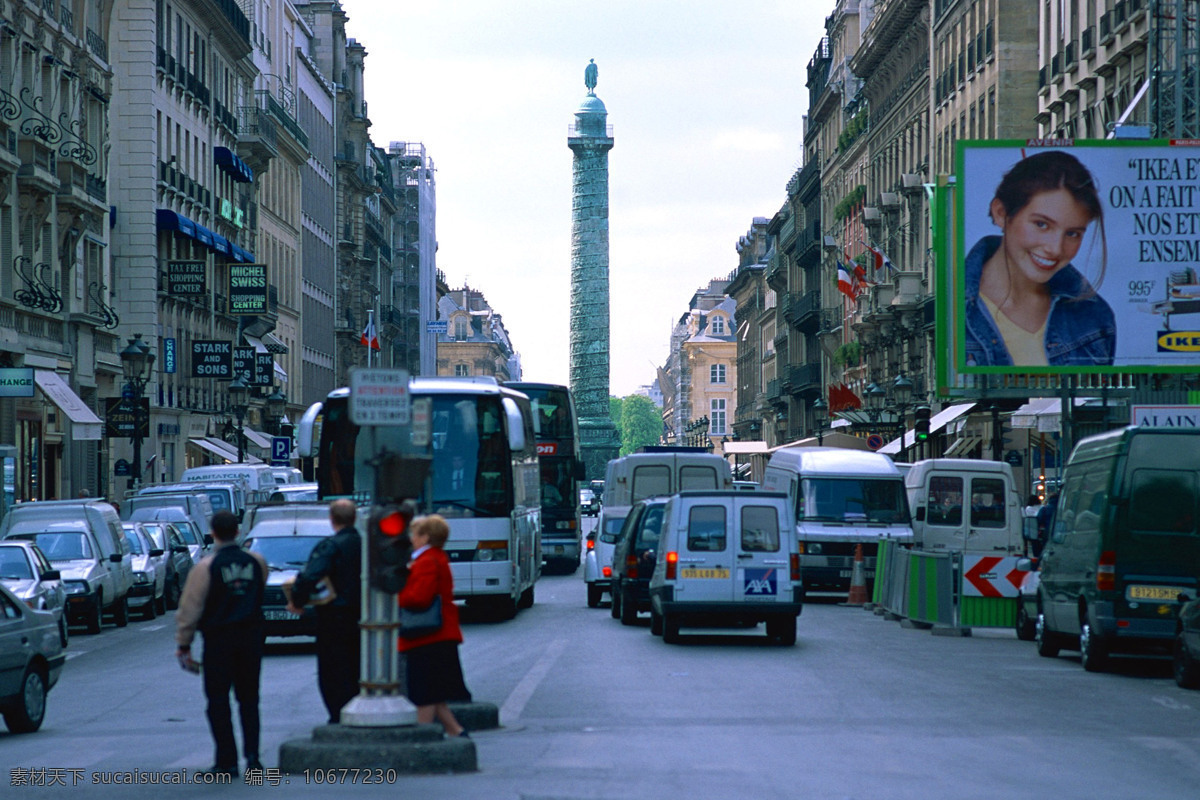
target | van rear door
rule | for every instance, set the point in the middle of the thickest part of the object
(762, 553)
(706, 561)
(1158, 546)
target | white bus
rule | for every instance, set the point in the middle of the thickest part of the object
(483, 480)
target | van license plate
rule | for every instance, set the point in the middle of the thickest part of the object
(692, 572)
(1168, 594)
(278, 614)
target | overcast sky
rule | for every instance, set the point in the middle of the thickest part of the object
(706, 100)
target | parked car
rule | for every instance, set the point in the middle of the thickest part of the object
(287, 475)
(286, 511)
(286, 544)
(1187, 646)
(727, 558)
(167, 538)
(294, 493)
(31, 659)
(91, 556)
(597, 559)
(28, 574)
(149, 591)
(1124, 545)
(634, 557)
(197, 505)
(199, 542)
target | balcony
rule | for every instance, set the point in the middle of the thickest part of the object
(258, 137)
(1089, 40)
(776, 274)
(801, 309)
(804, 377)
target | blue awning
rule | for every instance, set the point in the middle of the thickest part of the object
(204, 236)
(221, 244)
(241, 255)
(167, 220)
(237, 169)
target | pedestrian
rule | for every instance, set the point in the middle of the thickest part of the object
(1029, 515)
(1045, 520)
(222, 598)
(434, 672)
(337, 559)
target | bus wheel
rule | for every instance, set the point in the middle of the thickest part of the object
(526, 600)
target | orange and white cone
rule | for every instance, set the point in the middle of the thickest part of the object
(858, 580)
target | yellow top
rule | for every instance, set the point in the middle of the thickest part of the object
(1028, 349)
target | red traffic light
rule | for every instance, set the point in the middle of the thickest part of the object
(394, 524)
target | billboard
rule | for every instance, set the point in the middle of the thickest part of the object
(1073, 256)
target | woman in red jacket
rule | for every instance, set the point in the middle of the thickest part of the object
(432, 666)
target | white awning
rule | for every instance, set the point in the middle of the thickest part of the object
(743, 448)
(280, 373)
(223, 450)
(829, 439)
(275, 344)
(85, 425)
(1044, 413)
(259, 439)
(256, 343)
(962, 446)
(936, 423)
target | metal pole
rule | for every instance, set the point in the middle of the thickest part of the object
(136, 390)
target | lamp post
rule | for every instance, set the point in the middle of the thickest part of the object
(276, 404)
(137, 361)
(238, 392)
(876, 396)
(820, 407)
(902, 390)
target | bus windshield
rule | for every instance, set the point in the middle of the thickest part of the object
(852, 500)
(471, 470)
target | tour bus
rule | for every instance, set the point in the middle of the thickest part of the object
(561, 466)
(483, 480)
(841, 499)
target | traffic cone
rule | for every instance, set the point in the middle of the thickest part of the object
(858, 580)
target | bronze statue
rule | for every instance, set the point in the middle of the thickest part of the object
(590, 73)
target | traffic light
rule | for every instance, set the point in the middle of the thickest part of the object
(921, 415)
(387, 536)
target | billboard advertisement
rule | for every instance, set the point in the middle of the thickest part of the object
(1073, 256)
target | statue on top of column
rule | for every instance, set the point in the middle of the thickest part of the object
(590, 73)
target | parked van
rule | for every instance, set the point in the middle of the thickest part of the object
(225, 496)
(84, 541)
(1124, 548)
(258, 478)
(656, 473)
(839, 499)
(196, 505)
(726, 558)
(964, 504)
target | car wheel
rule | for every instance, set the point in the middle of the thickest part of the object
(1187, 670)
(1092, 652)
(161, 602)
(64, 635)
(173, 592)
(1047, 642)
(95, 613)
(121, 612)
(1026, 627)
(615, 605)
(628, 608)
(782, 630)
(594, 595)
(656, 623)
(150, 610)
(526, 600)
(26, 713)
(670, 628)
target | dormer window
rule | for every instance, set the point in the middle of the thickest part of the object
(460, 328)
(717, 326)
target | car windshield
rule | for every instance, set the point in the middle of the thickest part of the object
(852, 500)
(14, 565)
(156, 533)
(61, 545)
(188, 533)
(136, 544)
(283, 552)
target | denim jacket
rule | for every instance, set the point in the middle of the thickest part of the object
(1078, 332)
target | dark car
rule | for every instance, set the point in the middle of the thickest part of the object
(167, 537)
(634, 557)
(286, 544)
(1187, 646)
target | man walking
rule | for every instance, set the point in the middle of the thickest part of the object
(223, 600)
(339, 559)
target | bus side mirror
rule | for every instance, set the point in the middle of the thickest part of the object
(516, 424)
(580, 471)
(920, 513)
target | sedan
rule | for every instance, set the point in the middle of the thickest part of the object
(26, 571)
(149, 572)
(634, 559)
(31, 659)
(166, 537)
(286, 544)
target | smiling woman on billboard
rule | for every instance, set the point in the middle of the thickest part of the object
(1026, 303)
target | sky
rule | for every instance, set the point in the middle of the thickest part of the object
(706, 99)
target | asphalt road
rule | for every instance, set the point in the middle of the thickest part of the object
(859, 708)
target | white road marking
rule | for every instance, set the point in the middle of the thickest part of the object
(520, 695)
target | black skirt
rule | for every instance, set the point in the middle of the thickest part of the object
(434, 675)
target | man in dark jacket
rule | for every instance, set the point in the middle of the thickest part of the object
(338, 558)
(223, 600)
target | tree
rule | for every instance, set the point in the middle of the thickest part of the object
(640, 423)
(614, 410)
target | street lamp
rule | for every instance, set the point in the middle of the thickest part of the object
(902, 390)
(137, 361)
(276, 404)
(820, 407)
(876, 397)
(238, 392)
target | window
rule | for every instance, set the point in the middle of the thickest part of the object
(716, 417)
(1162, 501)
(702, 478)
(651, 481)
(716, 373)
(461, 371)
(987, 502)
(717, 326)
(706, 529)
(460, 328)
(760, 529)
(945, 501)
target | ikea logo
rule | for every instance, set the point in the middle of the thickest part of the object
(1179, 341)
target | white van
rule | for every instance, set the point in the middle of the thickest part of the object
(964, 504)
(726, 558)
(657, 473)
(839, 499)
(258, 478)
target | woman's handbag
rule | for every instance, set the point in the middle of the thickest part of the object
(415, 624)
